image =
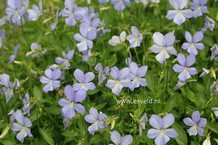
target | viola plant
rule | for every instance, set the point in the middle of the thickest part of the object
(100, 72)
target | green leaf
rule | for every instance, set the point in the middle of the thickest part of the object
(5, 132)
(181, 139)
(69, 133)
(53, 110)
(208, 41)
(35, 115)
(100, 106)
(157, 108)
(213, 127)
(96, 139)
(91, 61)
(112, 60)
(37, 93)
(190, 95)
(9, 142)
(171, 103)
(46, 136)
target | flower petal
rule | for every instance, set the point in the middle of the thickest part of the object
(202, 122)
(168, 120)
(153, 133)
(126, 140)
(188, 121)
(196, 116)
(79, 108)
(156, 122)
(198, 36)
(158, 38)
(115, 137)
(79, 75)
(89, 77)
(69, 92)
(172, 133)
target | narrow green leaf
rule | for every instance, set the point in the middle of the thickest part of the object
(171, 103)
(53, 110)
(46, 136)
(5, 132)
(37, 92)
(181, 139)
(213, 127)
(96, 139)
(69, 133)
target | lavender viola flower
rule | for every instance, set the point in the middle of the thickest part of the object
(12, 57)
(70, 104)
(15, 11)
(205, 72)
(120, 5)
(72, 13)
(184, 68)
(66, 61)
(163, 46)
(97, 120)
(36, 50)
(3, 20)
(215, 110)
(118, 40)
(142, 122)
(135, 38)
(120, 80)
(103, 72)
(91, 25)
(136, 74)
(54, 24)
(22, 126)
(208, 24)
(85, 38)
(214, 53)
(51, 79)
(117, 139)
(2, 35)
(86, 55)
(214, 88)
(27, 106)
(193, 42)
(179, 15)
(8, 88)
(160, 132)
(35, 12)
(198, 7)
(196, 123)
(84, 80)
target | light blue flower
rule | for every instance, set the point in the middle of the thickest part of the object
(51, 79)
(159, 132)
(120, 80)
(163, 45)
(97, 120)
(84, 80)
(184, 67)
(117, 139)
(179, 15)
(196, 123)
(70, 105)
(135, 38)
(22, 126)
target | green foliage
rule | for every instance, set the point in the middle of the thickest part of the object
(158, 97)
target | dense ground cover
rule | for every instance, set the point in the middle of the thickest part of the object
(83, 72)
